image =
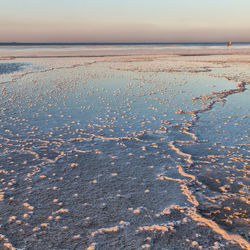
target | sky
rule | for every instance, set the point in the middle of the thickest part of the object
(124, 20)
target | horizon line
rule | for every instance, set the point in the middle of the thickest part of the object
(110, 43)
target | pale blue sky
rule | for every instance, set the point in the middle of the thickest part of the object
(124, 20)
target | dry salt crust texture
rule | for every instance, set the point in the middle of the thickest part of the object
(141, 151)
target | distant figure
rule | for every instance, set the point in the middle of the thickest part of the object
(229, 44)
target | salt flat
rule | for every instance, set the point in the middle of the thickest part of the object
(109, 148)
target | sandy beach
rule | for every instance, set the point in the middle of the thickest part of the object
(108, 147)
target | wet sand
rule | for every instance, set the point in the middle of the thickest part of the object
(124, 149)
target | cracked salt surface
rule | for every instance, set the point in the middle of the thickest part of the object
(96, 154)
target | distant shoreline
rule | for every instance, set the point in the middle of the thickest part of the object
(121, 44)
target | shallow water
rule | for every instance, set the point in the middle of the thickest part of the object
(117, 158)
